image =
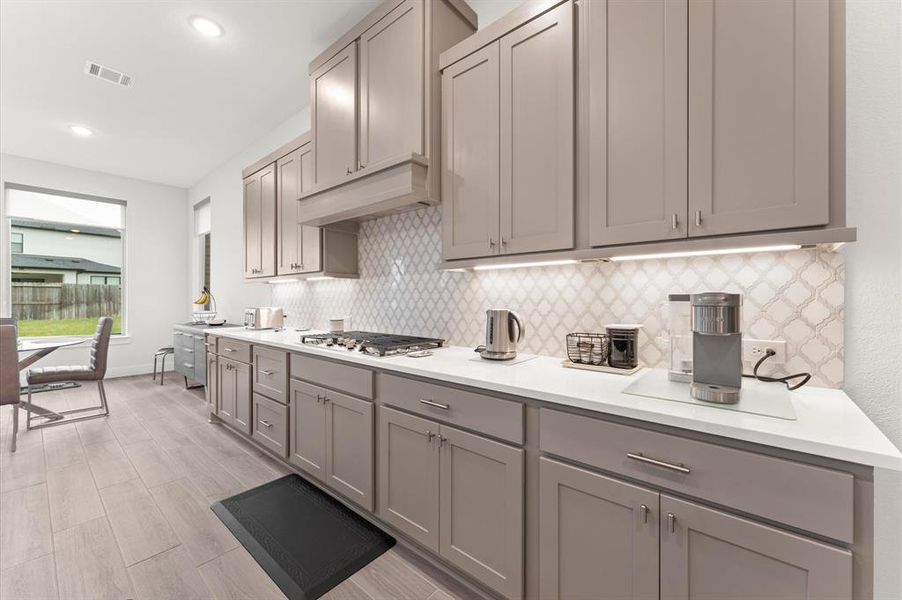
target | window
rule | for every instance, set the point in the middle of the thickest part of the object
(202, 233)
(72, 272)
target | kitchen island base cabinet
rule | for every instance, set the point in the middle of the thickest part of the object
(234, 394)
(457, 493)
(706, 553)
(331, 438)
(598, 536)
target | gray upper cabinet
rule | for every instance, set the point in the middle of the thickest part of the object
(759, 131)
(537, 134)
(508, 142)
(409, 475)
(598, 536)
(635, 73)
(260, 223)
(471, 135)
(299, 246)
(481, 509)
(391, 86)
(333, 89)
(706, 553)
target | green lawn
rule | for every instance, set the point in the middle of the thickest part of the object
(64, 327)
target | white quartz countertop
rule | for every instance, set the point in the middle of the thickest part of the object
(828, 422)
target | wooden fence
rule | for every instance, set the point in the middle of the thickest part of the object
(43, 301)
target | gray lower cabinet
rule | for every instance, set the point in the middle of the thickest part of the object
(706, 553)
(409, 475)
(234, 394)
(457, 493)
(598, 536)
(331, 438)
(270, 424)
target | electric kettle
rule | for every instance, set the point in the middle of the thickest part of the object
(503, 330)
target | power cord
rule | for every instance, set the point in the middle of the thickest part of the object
(767, 354)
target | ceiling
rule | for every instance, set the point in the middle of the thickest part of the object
(195, 101)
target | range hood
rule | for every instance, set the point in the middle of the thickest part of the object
(391, 187)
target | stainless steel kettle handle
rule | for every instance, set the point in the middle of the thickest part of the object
(521, 329)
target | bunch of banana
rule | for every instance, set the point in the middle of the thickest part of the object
(204, 298)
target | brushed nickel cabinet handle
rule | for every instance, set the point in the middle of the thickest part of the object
(265, 423)
(643, 510)
(360, 165)
(674, 222)
(227, 349)
(492, 242)
(319, 398)
(680, 468)
(265, 372)
(434, 404)
(671, 522)
(349, 171)
(698, 218)
(429, 436)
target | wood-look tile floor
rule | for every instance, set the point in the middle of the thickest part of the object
(118, 507)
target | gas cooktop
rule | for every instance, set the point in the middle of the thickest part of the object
(375, 344)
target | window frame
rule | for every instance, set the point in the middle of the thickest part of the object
(13, 242)
(6, 273)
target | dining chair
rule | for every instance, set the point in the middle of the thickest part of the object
(95, 371)
(9, 374)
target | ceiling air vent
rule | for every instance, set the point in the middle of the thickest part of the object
(107, 74)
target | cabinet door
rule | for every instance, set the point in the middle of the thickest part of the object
(307, 434)
(226, 389)
(391, 86)
(333, 102)
(758, 115)
(211, 390)
(537, 134)
(470, 155)
(349, 447)
(408, 475)
(481, 503)
(636, 73)
(298, 245)
(598, 536)
(252, 216)
(243, 410)
(706, 553)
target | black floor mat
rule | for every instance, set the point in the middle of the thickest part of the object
(306, 541)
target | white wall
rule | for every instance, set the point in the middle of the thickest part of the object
(224, 188)
(873, 324)
(156, 270)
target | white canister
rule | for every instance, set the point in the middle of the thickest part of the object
(336, 324)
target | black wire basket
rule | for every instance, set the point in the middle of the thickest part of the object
(588, 348)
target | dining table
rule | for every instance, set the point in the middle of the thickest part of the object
(36, 349)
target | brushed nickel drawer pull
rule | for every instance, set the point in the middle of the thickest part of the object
(698, 218)
(188, 365)
(265, 423)
(674, 222)
(643, 509)
(435, 404)
(227, 349)
(671, 522)
(680, 468)
(265, 372)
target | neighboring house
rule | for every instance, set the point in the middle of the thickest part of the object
(44, 252)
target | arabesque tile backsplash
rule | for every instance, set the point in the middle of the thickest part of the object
(795, 296)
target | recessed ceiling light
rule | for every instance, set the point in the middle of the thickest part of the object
(81, 130)
(205, 26)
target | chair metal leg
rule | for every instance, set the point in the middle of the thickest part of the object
(163, 369)
(186, 381)
(102, 390)
(28, 410)
(15, 425)
(155, 356)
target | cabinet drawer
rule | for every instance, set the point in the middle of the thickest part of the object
(271, 373)
(344, 378)
(184, 361)
(773, 488)
(233, 349)
(181, 339)
(493, 416)
(271, 425)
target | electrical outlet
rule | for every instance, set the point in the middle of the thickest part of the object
(753, 350)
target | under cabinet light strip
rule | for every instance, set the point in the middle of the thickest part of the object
(716, 252)
(545, 263)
